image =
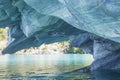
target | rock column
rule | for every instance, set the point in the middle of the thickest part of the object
(106, 55)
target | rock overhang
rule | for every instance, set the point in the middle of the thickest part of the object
(99, 17)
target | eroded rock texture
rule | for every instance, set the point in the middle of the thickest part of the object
(105, 52)
(33, 22)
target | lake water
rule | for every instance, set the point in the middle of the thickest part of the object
(43, 67)
(50, 67)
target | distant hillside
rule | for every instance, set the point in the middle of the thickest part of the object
(3, 37)
(63, 47)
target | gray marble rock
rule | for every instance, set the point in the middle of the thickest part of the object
(33, 22)
(100, 17)
(106, 55)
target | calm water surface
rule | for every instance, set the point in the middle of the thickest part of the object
(50, 67)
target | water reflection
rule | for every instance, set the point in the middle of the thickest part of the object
(44, 67)
(105, 75)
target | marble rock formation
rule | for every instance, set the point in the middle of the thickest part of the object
(96, 22)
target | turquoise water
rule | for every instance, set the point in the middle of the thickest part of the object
(44, 67)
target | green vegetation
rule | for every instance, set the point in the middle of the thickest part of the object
(3, 34)
(63, 47)
(3, 37)
(76, 50)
